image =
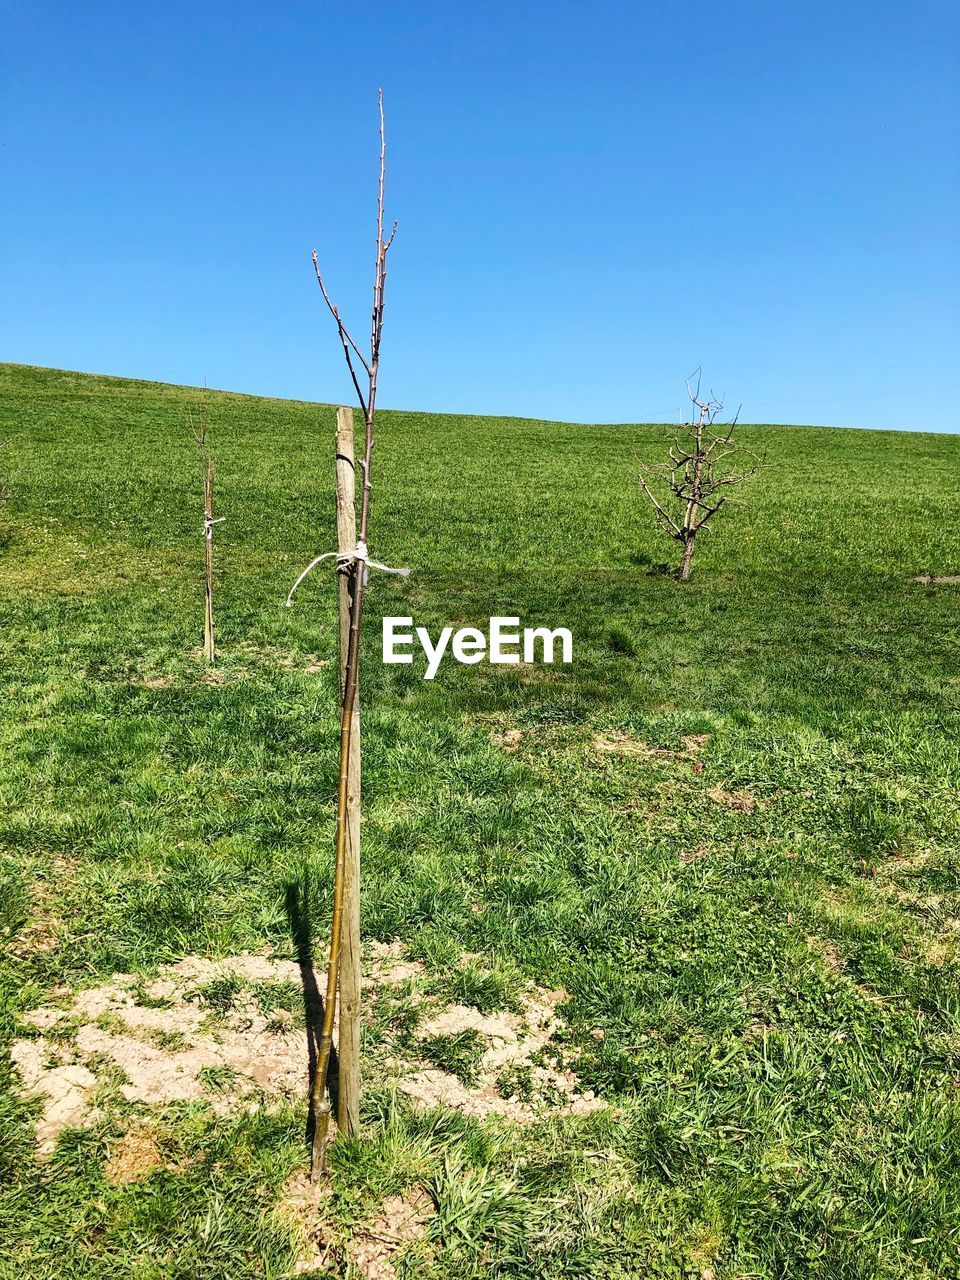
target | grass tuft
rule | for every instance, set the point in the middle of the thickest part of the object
(459, 1053)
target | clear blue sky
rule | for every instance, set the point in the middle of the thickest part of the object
(593, 199)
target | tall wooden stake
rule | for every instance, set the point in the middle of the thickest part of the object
(208, 522)
(198, 429)
(348, 1110)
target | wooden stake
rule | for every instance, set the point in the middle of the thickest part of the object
(208, 643)
(348, 1109)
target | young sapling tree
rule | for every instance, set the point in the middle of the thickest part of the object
(692, 486)
(356, 565)
(198, 429)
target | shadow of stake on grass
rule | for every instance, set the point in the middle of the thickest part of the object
(299, 906)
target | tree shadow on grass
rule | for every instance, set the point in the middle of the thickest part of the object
(299, 904)
(654, 568)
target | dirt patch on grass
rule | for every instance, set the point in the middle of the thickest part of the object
(518, 1069)
(373, 1247)
(302, 1209)
(247, 654)
(756, 1029)
(938, 580)
(909, 861)
(134, 1157)
(833, 961)
(236, 662)
(618, 742)
(387, 964)
(837, 967)
(686, 856)
(67, 1089)
(739, 801)
(401, 1220)
(232, 1034)
(939, 952)
(199, 1030)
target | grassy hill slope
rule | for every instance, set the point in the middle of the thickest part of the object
(729, 830)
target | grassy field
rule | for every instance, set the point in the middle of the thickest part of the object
(728, 832)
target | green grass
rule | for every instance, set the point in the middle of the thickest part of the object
(759, 935)
(459, 1053)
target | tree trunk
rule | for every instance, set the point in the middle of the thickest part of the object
(690, 515)
(683, 573)
(348, 1049)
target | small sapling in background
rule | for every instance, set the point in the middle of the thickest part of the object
(198, 429)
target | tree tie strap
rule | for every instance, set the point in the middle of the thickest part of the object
(345, 559)
(208, 523)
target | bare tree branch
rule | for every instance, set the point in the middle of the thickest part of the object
(665, 518)
(335, 312)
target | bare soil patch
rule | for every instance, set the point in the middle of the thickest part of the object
(238, 661)
(832, 959)
(155, 682)
(686, 856)
(618, 743)
(521, 1071)
(837, 967)
(163, 1041)
(373, 1247)
(401, 1220)
(271, 655)
(301, 1207)
(227, 1033)
(938, 580)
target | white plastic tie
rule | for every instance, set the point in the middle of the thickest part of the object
(359, 555)
(208, 524)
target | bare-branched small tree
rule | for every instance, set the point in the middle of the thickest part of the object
(356, 565)
(690, 481)
(198, 429)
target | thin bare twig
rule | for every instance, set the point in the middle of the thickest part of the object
(335, 312)
(664, 517)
